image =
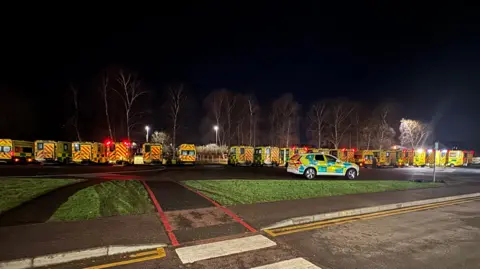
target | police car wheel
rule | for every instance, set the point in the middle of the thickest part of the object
(351, 173)
(309, 173)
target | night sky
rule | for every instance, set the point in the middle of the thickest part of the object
(426, 58)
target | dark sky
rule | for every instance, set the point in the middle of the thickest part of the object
(425, 57)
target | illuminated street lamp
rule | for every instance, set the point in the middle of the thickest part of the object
(216, 134)
(147, 128)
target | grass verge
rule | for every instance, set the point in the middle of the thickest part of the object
(233, 192)
(15, 191)
(112, 198)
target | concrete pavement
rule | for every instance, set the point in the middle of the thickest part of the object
(266, 214)
(446, 237)
(47, 238)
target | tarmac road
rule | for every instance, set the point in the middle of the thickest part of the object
(446, 237)
(43, 170)
(199, 172)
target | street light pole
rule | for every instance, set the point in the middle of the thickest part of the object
(147, 128)
(216, 134)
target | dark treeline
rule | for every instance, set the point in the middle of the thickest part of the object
(119, 105)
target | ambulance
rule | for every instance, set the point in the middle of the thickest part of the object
(385, 158)
(420, 158)
(405, 157)
(364, 158)
(345, 155)
(16, 151)
(468, 157)
(455, 158)
(187, 154)
(240, 155)
(439, 157)
(53, 151)
(285, 156)
(89, 152)
(119, 152)
(152, 153)
(266, 156)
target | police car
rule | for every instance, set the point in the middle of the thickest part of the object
(318, 164)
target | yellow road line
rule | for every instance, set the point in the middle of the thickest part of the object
(326, 223)
(356, 217)
(141, 254)
(159, 253)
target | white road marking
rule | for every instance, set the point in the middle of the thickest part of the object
(297, 263)
(223, 248)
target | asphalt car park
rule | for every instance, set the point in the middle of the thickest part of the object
(199, 172)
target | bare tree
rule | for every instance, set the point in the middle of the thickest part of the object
(366, 133)
(252, 113)
(104, 91)
(339, 120)
(214, 105)
(177, 101)
(164, 139)
(317, 117)
(74, 118)
(284, 113)
(230, 102)
(414, 133)
(385, 134)
(129, 91)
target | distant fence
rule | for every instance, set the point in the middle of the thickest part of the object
(212, 158)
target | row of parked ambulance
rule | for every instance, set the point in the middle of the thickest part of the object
(259, 156)
(108, 152)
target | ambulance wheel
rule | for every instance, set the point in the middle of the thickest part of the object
(452, 165)
(310, 173)
(351, 173)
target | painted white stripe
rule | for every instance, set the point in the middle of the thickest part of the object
(297, 263)
(69, 256)
(17, 264)
(223, 248)
(114, 250)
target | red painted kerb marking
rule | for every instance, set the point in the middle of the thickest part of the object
(228, 212)
(163, 218)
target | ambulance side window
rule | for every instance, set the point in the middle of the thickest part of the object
(147, 148)
(242, 151)
(76, 147)
(267, 151)
(388, 154)
(27, 150)
(6, 149)
(65, 147)
(39, 146)
(319, 158)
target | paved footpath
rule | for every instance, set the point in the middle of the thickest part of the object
(265, 214)
(186, 218)
(189, 216)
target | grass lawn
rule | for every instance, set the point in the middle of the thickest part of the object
(16, 191)
(111, 198)
(232, 192)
